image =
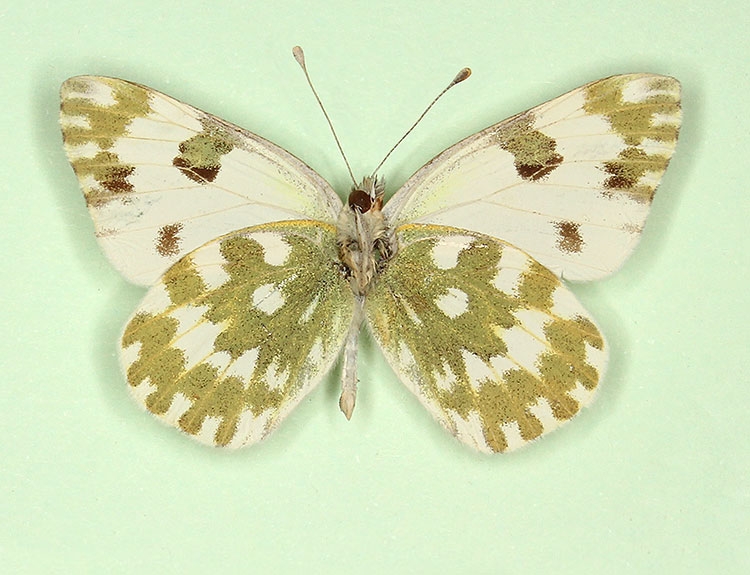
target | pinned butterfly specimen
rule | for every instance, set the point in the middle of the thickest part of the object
(260, 278)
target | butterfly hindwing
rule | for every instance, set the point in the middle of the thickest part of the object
(492, 343)
(237, 332)
(162, 178)
(570, 181)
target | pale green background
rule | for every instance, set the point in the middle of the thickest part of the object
(652, 479)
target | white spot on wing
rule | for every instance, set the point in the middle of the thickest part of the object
(198, 342)
(454, 303)
(565, 304)
(543, 412)
(509, 269)
(275, 249)
(477, 370)
(405, 356)
(243, 366)
(180, 404)
(514, 259)
(220, 360)
(274, 378)
(410, 313)
(268, 298)
(207, 433)
(188, 317)
(141, 391)
(445, 380)
(130, 354)
(316, 351)
(597, 358)
(209, 262)
(524, 349)
(506, 280)
(533, 321)
(445, 253)
(98, 92)
(637, 90)
(86, 150)
(502, 364)
(582, 395)
(512, 435)
(156, 300)
(68, 122)
(308, 313)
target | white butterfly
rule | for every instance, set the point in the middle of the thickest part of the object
(259, 275)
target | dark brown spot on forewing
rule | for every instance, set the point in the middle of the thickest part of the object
(199, 174)
(569, 238)
(535, 153)
(537, 171)
(626, 172)
(200, 156)
(168, 240)
(111, 175)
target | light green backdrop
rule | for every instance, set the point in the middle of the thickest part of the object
(652, 479)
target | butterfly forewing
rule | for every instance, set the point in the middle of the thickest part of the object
(237, 332)
(570, 181)
(162, 178)
(488, 339)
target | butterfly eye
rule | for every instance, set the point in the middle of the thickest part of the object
(361, 200)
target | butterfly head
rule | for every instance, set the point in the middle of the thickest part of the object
(368, 195)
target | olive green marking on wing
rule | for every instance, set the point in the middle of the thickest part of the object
(425, 346)
(105, 123)
(628, 169)
(102, 125)
(200, 156)
(184, 283)
(109, 172)
(299, 339)
(535, 153)
(636, 122)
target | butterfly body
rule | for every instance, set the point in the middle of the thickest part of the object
(366, 241)
(260, 277)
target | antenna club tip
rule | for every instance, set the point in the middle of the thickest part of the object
(299, 55)
(462, 75)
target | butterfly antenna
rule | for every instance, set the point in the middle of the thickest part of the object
(299, 55)
(460, 77)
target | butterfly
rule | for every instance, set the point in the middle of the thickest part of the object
(260, 278)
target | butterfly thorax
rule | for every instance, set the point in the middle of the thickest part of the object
(365, 241)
